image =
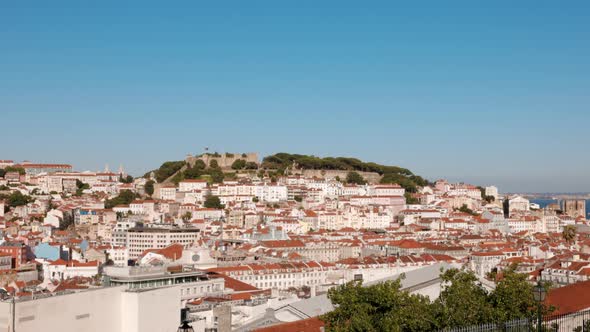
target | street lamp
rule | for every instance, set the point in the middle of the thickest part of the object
(539, 294)
(185, 327)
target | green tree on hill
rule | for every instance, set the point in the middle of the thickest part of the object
(217, 175)
(193, 172)
(355, 178)
(238, 164)
(126, 179)
(465, 209)
(251, 165)
(199, 164)
(125, 197)
(213, 202)
(17, 169)
(391, 174)
(80, 187)
(166, 170)
(18, 199)
(410, 199)
(149, 187)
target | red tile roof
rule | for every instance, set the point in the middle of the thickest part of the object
(307, 325)
(569, 299)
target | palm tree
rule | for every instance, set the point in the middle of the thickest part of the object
(569, 234)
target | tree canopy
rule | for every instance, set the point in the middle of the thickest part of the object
(391, 174)
(125, 197)
(380, 307)
(80, 187)
(126, 179)
(238, 164)
(200, 164)
(355, 178)
(149, 187)
(465, 209)
(213, 202)
(16, 198)
(20, 170)
(166, 170)
(462, 302)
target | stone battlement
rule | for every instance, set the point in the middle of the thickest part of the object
(224, 160)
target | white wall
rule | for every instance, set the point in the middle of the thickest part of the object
(107, 309)
(85, 311)
(154, 310)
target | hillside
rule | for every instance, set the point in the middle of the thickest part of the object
(173, 171)
(391, 174)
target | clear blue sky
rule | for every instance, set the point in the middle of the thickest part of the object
(492, 94)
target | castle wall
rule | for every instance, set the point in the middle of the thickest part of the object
(224, 161)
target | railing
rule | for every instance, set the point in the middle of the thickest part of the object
(574, 322)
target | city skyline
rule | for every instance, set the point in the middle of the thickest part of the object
(493, 95)
(278, 166)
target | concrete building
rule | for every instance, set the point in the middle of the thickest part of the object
(140, 239)
(35, 169)
(113, 309)
(191, 283)
(166, 192)
(192, 184)
(518, 204)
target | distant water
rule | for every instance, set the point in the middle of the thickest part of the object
(544, 202)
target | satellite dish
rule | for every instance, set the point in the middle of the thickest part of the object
(196, 258)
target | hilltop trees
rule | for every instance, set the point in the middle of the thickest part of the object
(238, 164)
(391, 174)
(167, 169)
(355, 178)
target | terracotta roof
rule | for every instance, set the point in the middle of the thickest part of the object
(173, 251)
(307, 325)
(569, 299)
(236, 285)
(283, 243)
